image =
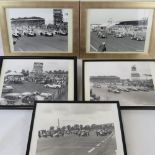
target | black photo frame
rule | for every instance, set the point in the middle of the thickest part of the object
(74, 78)
(126, 107)
(82, 103)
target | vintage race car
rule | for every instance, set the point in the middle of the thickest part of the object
(28, 99)
(7, 89)
(116, 91)
(16, 35)
(119, 35)
(26, 93)
(30, 34)
(47, 34)
(47, 96)
(12, 98)
(101, 132)
(42, 133)
(140, 38)
(52, 86)
(97, 86)
(58, 134)
(102, 34)
(61, 32)
(83, 133)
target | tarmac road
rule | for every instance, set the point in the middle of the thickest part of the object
(42, 43)
(33, 87)
(74, 145)
(126, 98)
(116, 44)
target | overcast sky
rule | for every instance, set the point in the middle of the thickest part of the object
(70, 114)
(47, 14)
(121, 69)
(102, 16)
(27, 64)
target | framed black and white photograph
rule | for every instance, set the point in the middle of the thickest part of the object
(24, 80)
(117, 28)
(132, 82)
(42, 29)
(76, 128)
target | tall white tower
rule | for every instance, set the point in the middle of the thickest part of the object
(37, 67)
(134, 74)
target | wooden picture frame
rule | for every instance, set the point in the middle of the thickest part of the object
(56, 35)
(88, 7)
(36, 78)
(39, 113)
(132, 82)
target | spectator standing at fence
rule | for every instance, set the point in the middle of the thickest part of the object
(102, 47)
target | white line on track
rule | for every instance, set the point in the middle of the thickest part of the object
(91, 150)
(98, 144)
(20, 49)
(93, 48)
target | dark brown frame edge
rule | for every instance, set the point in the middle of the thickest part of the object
(78, 102)
(40, 57)
(141, 107)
